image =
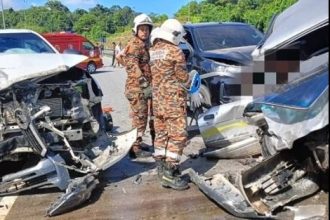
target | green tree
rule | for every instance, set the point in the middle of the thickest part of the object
(255, 12)
(56, 5)
(101, 21)
(12, 18)
(158, 19)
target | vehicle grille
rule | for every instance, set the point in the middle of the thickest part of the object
(55, 104)
(33, 137)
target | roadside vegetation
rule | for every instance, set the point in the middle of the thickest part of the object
(255, 12)
(114, 24)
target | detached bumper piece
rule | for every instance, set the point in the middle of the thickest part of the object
(219, 189)
(262, 189)
(78, 191)
(278, 180)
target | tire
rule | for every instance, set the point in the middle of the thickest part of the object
(91, 67)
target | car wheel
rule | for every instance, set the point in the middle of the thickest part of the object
(91, 67)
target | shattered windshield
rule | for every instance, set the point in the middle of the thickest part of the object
(23, 43)
(227, 36)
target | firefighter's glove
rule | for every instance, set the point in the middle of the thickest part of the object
(195, 100)
(194, 89)
(147, 92)
(145, 86)
(143, 82)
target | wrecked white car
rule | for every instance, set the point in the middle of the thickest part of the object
(292, 120)
(294, 45)
(52, 128)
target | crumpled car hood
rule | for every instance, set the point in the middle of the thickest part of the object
(241, 55)
(18, 67)
(301, 18)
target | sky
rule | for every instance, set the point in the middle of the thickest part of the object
(169, 7)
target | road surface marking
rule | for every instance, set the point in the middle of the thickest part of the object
(5, 205)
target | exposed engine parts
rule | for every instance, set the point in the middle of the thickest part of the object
(55, 126)
(26, 106)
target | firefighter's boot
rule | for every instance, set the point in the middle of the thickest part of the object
(160, 163)
(171, 177)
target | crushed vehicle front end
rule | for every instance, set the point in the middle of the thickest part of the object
(220, 52)
(52, 128)
(294, 137)
(291, 120)
(295, 144)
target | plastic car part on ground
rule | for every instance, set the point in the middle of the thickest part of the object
(224, 193)
(277, 181)
(78, 191)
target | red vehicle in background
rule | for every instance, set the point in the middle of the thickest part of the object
(74, 43)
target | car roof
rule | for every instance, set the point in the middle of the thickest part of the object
(20, 31)
(301, 18)
(210, 24)
(5, 31)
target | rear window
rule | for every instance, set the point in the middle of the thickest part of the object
(88, 46)
(227, 36)
(23, 43)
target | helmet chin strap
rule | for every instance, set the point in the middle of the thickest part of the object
(143, 39)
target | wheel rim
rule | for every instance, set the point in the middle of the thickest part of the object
(91, 68)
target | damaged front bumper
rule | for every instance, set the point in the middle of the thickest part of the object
(262, 189)
(219, 189)
(79, 190)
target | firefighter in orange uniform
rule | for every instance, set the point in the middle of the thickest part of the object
(135, 58)
(169, 79)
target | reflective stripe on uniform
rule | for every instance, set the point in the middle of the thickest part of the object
(140, 134)
(165, 153)
(159, 152)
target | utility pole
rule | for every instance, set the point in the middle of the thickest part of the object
(3, 16)
(188, 11)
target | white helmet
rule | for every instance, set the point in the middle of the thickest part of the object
(142, 19)
(153, 35)
(171, 30)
